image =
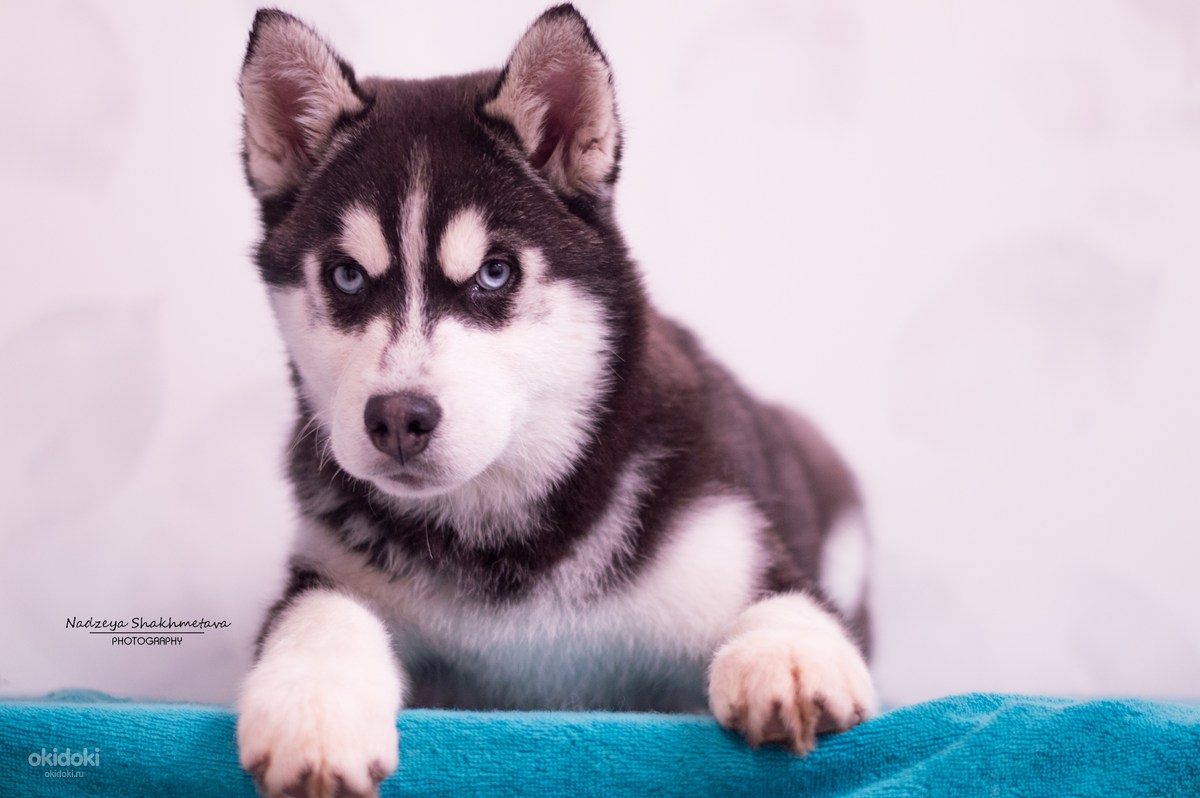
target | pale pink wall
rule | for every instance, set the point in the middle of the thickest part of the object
(963, 236)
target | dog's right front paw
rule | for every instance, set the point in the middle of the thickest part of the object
(304, 739)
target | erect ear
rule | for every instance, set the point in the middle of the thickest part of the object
(294, 90)
(557, 93)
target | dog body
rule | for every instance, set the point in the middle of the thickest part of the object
(520, 487)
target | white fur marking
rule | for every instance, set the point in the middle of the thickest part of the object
(412, 249)
(323, 698)
(320, 351)
(517, 403)
(844, 563)
(362, 239)
(464, 245)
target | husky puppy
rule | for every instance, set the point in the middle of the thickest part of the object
(519, 485)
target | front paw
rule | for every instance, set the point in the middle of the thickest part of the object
(778, 687)
(304, 736)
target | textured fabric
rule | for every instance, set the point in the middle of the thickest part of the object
(968, 745)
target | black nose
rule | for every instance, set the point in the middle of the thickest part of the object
(400, 423)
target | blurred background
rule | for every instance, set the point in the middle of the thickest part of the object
(964, 238)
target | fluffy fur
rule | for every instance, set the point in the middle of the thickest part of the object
(577, 508)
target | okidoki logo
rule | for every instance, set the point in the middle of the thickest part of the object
(88, 757)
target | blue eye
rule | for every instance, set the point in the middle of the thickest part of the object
(349, 278)
(492, 275)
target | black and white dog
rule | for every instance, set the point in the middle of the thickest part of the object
(519, 485)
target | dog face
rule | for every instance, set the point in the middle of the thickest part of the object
(441, 258)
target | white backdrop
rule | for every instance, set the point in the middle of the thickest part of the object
(963, 237)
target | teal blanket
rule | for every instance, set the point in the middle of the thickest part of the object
(990, 745)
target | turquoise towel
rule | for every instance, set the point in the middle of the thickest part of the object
(989, 745)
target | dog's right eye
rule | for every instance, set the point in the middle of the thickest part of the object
(349, 278)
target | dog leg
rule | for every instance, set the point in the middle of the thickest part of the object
(788, 672)
(317, 714)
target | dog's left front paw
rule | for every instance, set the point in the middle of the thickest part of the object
(776, 687)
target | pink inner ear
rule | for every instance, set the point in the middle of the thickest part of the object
(287, 99)
(561, 89)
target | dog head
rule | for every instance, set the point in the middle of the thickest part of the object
(441, 256)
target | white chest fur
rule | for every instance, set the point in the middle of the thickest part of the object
(645, 644)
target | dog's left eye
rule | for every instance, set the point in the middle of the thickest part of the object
(493, 275)
(349, 278)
